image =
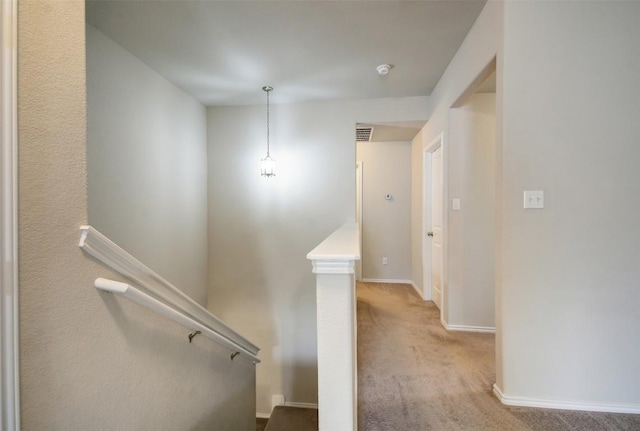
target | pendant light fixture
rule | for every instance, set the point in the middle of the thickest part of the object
(268, 165)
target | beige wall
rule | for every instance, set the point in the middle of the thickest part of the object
(90, 360)
(386, 226)
(260, 230)
(470, 298)
(147, 165)
(571, 273)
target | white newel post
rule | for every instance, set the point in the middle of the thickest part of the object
(334, 263)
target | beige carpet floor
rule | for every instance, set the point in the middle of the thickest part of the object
(413, 375)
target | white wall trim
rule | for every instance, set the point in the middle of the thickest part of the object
(263, 415)
(359, 202)
(420, 294)
(395, 281)
(338, 252)
(565, 405)
(468, 328)
(437, 142)
(9, 337)
(333, 266)
(107, 252)
(386, 280)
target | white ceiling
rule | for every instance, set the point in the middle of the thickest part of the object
(223, 52)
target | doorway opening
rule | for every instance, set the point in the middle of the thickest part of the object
(383, 200)
(459, 267)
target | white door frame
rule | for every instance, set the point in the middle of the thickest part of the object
(9, 360)
(438, 142)
(359, 190)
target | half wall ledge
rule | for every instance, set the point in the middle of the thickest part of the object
(333, 263)
(337, 254)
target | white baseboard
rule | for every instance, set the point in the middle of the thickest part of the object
(394, 281)
(301, 405)
(564, 405)
(466, 328)
(386, 280)
(417, 290)
(263, 415)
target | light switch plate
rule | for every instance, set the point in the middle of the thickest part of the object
(455, 204)
(533, 199)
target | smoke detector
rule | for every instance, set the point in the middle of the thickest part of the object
(383, 69)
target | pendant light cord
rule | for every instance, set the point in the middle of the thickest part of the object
(267, 163)
(268, 91)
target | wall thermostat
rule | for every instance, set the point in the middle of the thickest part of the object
(388, 196)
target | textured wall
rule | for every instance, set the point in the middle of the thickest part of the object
(386, 225)
(147, 165)
(260, 230)
(90, 360)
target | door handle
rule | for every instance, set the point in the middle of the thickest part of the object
(429, 233)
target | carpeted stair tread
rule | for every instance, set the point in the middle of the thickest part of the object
(293, 419)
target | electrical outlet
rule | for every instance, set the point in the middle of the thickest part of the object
(533, 199)
(385, 261)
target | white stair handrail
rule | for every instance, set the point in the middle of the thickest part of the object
(152, 285)
(151, 303)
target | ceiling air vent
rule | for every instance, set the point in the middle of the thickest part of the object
(363, 134)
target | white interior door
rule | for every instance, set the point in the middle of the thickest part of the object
(436, 226)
